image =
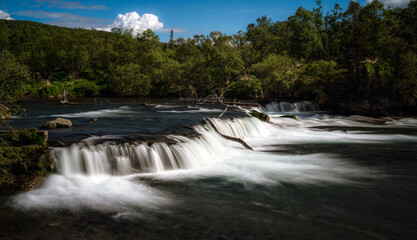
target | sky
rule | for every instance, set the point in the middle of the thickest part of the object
(186, 17)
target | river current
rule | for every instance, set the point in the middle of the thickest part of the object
(159, 171)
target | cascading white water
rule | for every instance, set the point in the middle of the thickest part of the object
(128, 158)
(89, 173)
(303, 106)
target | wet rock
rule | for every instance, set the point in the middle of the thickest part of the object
(58, 123)
(93, 120)
(261, 116)
(289, 116)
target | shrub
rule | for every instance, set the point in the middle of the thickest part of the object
(23, 137)
(83, 88)
(50, 90)
(246, 88)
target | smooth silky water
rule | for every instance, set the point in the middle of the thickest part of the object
(320, 177)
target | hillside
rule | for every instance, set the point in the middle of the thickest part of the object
(365, 52)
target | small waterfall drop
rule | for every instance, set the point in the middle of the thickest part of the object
(303, 106)
(123, 159)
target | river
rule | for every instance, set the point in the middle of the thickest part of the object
(158, 171)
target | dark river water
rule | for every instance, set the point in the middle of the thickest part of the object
(322, 176)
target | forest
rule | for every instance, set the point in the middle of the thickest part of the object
(331, 57)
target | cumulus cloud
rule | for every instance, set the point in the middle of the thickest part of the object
(126, 21)
(394, 3)
(136, 22)
(68, 5)
(5, 15)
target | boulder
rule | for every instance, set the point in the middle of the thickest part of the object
(261, 116)
(58, 123)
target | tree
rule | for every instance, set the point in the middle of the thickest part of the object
(171, 40)
(276, 73)
(12, 75)
(406, 85)
(353, 46)
(318, 81)
(128, 80)
(333, 33)
(305, 39)
(260, 36)
(373, 22)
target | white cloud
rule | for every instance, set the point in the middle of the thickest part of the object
(136, 22)
(63, 19)
(68, 5)
(5, 15)
(394, 3)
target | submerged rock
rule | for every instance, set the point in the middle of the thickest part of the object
(93, 120)
(261, 116)
(58, 123)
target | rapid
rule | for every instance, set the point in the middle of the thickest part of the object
(302, 175)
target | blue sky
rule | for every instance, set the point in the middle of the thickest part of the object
(186, 17)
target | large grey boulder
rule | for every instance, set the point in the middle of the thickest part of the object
(58, 123)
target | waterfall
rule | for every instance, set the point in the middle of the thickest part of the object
(123, 159)
(303, 106)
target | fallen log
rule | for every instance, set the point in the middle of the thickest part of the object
(228, 137)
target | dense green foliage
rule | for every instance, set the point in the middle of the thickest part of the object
(21, 168)
(22, 137)
(24, 160)
(336, 56)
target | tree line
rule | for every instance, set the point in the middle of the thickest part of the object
(327, 56)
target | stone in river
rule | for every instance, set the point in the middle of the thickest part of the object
(58, 123)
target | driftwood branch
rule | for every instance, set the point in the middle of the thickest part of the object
(222, 113)
(228, 137)
(214, 99)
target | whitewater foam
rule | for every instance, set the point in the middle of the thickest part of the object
(112, 112)
(111, 194)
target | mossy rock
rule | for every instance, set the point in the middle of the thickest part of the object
(261, 116)
(58, 123)
(289, 116)
(22, 168)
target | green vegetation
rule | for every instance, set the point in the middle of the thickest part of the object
(22, 137)
(340, 56)
(24, 160)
